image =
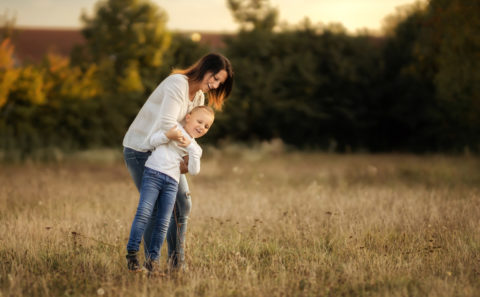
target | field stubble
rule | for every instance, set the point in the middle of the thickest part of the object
(263, 223)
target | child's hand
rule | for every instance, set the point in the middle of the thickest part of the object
(174, 134)
(184, 141)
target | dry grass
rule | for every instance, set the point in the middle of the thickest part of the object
(263, 224)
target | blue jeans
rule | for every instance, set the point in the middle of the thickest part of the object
(135, 162)
(157, 189)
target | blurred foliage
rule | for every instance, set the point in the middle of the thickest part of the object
(182, 53)
(8, 74)
(306, 88)
(413, 89)
(258, 15)
(131, 34)
(450, 50)
(7, 23)
(416, 88)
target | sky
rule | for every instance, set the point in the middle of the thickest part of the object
(209, 15)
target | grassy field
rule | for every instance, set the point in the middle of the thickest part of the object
(264, 223)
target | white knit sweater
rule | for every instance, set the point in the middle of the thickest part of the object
(167, 105)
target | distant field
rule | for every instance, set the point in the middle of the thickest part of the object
(264, 223)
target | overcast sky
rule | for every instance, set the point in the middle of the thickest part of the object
(210, 15)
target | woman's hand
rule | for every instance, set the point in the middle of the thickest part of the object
(184, 165)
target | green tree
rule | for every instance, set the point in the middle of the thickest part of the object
(183, 52)
(7, 25)
(450, 46)
(132, 36)
(405, 112)
(306, 86)
(254, 14)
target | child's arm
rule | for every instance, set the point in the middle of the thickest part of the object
(194, 155)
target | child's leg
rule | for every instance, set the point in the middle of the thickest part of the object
(178, 224)
(147, 234)
(166, 201)
(149, 192)
(135, 162)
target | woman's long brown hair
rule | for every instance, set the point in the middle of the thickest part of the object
(214, 63)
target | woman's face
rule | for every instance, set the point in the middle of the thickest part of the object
(212, 81)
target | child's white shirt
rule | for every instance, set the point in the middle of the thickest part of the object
(167, 155)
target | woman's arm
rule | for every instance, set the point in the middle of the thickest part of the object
(161, 137)
(174, 93)
(158, 138)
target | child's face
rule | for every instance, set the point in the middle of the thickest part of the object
(198, 123)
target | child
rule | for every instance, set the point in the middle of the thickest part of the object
(160, 181)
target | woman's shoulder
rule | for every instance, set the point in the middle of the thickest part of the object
(177, 83)
(176, 79)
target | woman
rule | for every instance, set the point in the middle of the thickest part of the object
(169, 103)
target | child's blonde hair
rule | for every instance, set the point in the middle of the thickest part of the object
(203, 107)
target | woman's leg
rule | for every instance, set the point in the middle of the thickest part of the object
(135, 162)
(178, 224)
(166, 201)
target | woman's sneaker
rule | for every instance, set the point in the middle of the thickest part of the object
(153, 268)
(176, 265)
(132, 262)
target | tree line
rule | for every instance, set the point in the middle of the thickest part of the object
(416, 88)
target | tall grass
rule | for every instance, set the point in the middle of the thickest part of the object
(262, 224)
